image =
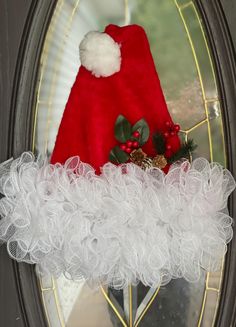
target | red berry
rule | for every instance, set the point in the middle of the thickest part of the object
(177, 128)
(128, 150)
(136, 134)
(123, 147)
(135, 144)
(172, 133)
(168, 154)
(168, 123)
(129, 144)
(168, 147)
(166, 134)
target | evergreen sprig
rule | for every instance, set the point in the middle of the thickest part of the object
(159, 143)
(184, 152)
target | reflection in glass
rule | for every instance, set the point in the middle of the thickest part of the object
(201, 51)
(217, 135)
(176, 305)
(88, 307)
(209, 314)
(173, 58)
(200, 136)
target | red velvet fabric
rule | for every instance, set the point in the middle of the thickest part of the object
(87, 126)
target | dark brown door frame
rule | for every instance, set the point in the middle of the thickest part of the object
(224, 59)
(23, 25)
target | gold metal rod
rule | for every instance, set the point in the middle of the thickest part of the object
(147, 307)
(198, 69)
(46, 311)
(196, 126)
(212, 289)
(56, 71)
(43, 61)
(206, 101)
(218, 297)
(127, 14)
(130, 307)
(202, 308)
(209, 100)
(185, 5)
(113, 307)
(61, 318)
(47, 289)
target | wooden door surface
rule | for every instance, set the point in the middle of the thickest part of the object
(23, 28)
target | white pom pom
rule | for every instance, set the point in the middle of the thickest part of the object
(100, 54)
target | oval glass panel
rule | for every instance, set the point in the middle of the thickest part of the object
(183, 62)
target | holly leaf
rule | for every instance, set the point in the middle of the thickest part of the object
(123, 129)
(142, 127)
(118, 156)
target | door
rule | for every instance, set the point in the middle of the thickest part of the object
(40, 43)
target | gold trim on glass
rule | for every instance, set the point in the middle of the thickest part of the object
(56, 297)
(211, 100)
(181, 8)
(130, 305)
(146, 308)
(185, 5)
(113, 307)
(195, 126)
(46, 311)
(43, 61)
(206, 101)
(56, 70)
(127, 15)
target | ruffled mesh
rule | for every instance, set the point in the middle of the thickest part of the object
(120, 227)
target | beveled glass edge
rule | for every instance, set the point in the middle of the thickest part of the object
(180, 6)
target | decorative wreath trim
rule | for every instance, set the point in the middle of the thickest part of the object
(120, 227)
(132, 138)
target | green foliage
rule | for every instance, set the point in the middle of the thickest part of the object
(118, 156)
(142, 127)
(123, 129)
(123, 133)
(159, 143)
(184, 152)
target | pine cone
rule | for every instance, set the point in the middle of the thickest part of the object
(159, 161)
(137, 156)
(146, 163)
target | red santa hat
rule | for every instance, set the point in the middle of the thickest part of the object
(125, 224)
(117, 77)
